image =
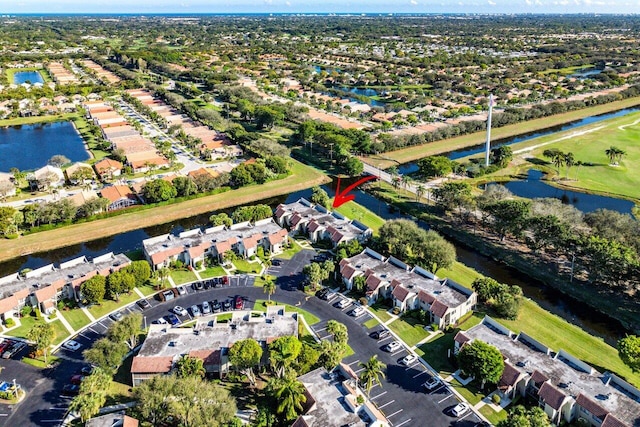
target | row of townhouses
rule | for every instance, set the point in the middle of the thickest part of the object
(47, 285)
(409, 288)
(318, 223)
(195, 245)
(565, 387)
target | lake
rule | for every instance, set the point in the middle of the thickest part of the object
(27, 76)
(534, 188)
(29, 147)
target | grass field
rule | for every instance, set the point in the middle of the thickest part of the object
(310, 318)
(301, 178)
(380, 310)
(409, 330)
(183, 276)
(371, 323)
(37, 119)
(493, 416)
(588, 146)
(76, 318)
(417, 152)
(107, 306)
(243, 266)
(28, 322)
(353, 210)
(209, 272)
(289, 253)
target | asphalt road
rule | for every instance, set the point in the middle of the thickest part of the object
(400, 397)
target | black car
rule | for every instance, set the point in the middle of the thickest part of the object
(143, 304)
(207, 284)
(13, 349)
(276, 262)
(86, 370)
(322, 293)
(382, 333)
(70, 390)
(226, 305)
(197, 286)
(216, 306)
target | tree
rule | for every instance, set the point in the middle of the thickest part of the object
(126, 330)
(252, 213)
(93, 290)
(420, 190)
(93, 394)
(522, 417)
(10, 219)
(544, 231)
(58, 161)
(569, 161)
(244, 355)
(106, 354)
(435, 166)
(509, 216)
(501, 156)
(269, 286)
(184, 186)
(452, 194)
(629, 351)
(220, 219)
(556, 156)
(163, 275)
(283, 352)
(290, 394)
(140, 270)
(614, 154)
(320, 197)
(316, 272)
(6, 188)
(482, 361)
(42, 334)
(158, 190)
(338, 330)
(119, 282)
(307, 359)
(373, 369)
(188, 366)
(353, 166)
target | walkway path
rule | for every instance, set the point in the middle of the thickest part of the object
(411, 187)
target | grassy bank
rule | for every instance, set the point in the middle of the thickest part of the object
(302, 177)
(353, 210)
(37, 119)
(417, 152)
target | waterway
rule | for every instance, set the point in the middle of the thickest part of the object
(27, 77)
(477, 149)
(547, 297)
(534, 187)
(29, 147)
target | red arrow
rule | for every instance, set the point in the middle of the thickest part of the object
(343, 197)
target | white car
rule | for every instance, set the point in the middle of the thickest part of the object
(195, 310)
(160, 321)
(408, 359)
(206, 307)
(432, 383)
(72, 345)
(392, 346)
(180, 311)
(460, 409)
(343, 303)
(356, 312)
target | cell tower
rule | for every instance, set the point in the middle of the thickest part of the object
(488, 143)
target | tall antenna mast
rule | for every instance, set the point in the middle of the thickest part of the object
(488, 143)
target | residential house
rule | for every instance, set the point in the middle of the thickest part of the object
(566, 388)
(210, 341)
(108, 168)
(409, 288)
(119, 196)
(7, 186)
(80, 198)
(46, 177)
(71, 171)
(114, 419)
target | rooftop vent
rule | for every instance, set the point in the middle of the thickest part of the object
(603, 396)
(563, 385)
(521, 364)
(173, 344)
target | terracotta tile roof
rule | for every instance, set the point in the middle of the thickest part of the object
(343, 262)
(611, 421)
(439, 309)
(117, 192)
(591, 406)
(426, 297)
(551, 396)
(400, 293)
(295, 219)
(46, 293)
(538, 377)
(347, 272)
(313, 225)
(127, 421)
(277, 237)
(22, 293)
(251, 241)
(199, 250)
(395, 283)
(7, 304)
(461, 338)
(373, 282)
(151, 365)
(279, 211)
(300, 422)
(160, 257)
(510, 376)
(208, 357)
(203, 171)
(222, 247)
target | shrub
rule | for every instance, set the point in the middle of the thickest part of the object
(495, 397)
(360, 399)
(26, 311)
(363, 301)
(199, 265)
(9, 323)
(434, 327)
(37, 313)
(6, 395)
(396, 310)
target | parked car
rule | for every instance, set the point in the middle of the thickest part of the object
(225, 280)
(197, 286)
(460, 409)
(70, 390)
(86, 370)
(239, 303)
(357, 312)
(432, 383)
(14, 349)
(392, 346)
(160, 321)
(206, 284)
(4, 344)
(180, 311)
(173, 319)
(181, 290)
(276, 262)
(380, 334)
(408, 360)
(72, 345)
(195, 310)
(226, 305)
(342, 304)
(216, 306)
(322, 293)
(167, 295)
(143, 304)
(116, 316)
(76, 379)
(206, 308)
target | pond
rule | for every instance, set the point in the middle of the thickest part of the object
(534, 188)
(360, 91)
(29, 147)
(585, 73)
(477, 149)
(27, 77)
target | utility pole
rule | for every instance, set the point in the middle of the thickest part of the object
(488, 143)
(331, 152)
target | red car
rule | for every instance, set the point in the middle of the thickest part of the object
(4, 344)
(239, 304)
(225, 280)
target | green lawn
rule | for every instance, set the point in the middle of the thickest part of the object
(409, 330)
(348, 352)
(148, 290)
(28, 322)
(469, 392)
(183, 276)
(310, 318)
(353, 210)
(289, 253)
(107, 306)
(371, 323)
(460, 273)
(259, 282)
(76, 318)
(39, 361)
(243, 266)
(380, 310)
(215, 271)
(493, 416)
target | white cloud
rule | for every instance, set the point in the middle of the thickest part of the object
(491, 2)
(413, 2)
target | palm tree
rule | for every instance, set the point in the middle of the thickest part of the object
(395, 182)
(614, 154)
(163, 274)
(406, 180)
(290, 395)
(373, 369)
(558, 160)
(269, 286)
(420, 190)
(569, 160)
(188, 366)
(578, 164)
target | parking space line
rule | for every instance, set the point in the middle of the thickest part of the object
(417, 375)
(92, 330)
(378, 395)
(359, 370)
(386, 404)
(437, 388)
(402, 423)
(84, 336)
(468, 413)
(395, 413)
(354, 362)
(320, 330)
(445, 398)
(397, 352)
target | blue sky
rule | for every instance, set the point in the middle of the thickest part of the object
(308, 6)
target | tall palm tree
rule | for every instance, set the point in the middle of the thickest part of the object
(373, 371)
(290, 395)
(188, 366)
(420, 190)
(406, 180)
(569, 160)
(395, 182)
(614, 154)
(558, 160)
(269, 286)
